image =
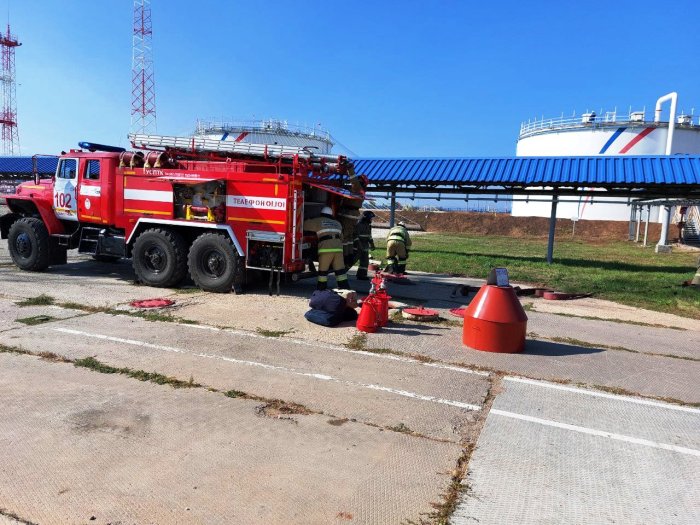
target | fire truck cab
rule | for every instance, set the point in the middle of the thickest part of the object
(218, 210)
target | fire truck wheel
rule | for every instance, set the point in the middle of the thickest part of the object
(159, 258)
(213, 263)
(28, 241)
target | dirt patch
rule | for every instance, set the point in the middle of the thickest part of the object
(279, 409)
(506, 225)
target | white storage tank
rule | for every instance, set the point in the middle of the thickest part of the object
(604, 133)
(270, 131)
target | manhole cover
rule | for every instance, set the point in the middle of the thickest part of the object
(420, 314)
(458, 312)
(152, 303)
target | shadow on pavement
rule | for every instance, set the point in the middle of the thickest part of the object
(548, 348)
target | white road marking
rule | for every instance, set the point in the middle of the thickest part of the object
(321, 377)
(605, 395)
(593, 432)
(303, 342)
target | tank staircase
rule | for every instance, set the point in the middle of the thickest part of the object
(691, 232)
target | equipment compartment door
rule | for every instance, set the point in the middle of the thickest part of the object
(90, 192)
(64, 202)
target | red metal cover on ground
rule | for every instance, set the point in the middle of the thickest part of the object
(152, 303)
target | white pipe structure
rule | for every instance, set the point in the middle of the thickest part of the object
(673, 97)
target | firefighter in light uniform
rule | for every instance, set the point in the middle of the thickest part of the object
(397, 245)
(364, 243)
(330, 248)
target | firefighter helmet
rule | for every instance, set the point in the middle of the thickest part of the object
(367, 214)
(326, 210)
(401, 223)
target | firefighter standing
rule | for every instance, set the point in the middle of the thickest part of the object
(349, 214)
(330, 248)
(398, 243)
(364, 242)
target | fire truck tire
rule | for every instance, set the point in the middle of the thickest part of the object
(159, 258)
(28, 242)
(213, 263)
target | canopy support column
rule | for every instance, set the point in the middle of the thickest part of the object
(639, 223)
(662, 246)
(392, 210)
(646, 225)
(552, 228)
(633, 221)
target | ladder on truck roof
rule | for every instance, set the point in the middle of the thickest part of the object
(201, 144)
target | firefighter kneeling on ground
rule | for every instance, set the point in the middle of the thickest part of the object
(364, 243)
(330, 248)
(397, 244)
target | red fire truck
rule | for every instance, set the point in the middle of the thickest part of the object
(220, 210)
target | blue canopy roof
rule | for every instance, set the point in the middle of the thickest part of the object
(627, 171)
(23, 165)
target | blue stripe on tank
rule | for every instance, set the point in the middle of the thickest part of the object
(611, 140)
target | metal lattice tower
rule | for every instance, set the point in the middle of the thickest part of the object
(8, 114)
(143, 86)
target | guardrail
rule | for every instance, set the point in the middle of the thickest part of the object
(593, 120)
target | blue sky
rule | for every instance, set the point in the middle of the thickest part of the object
(394, 78)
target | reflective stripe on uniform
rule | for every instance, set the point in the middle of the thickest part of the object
(322, 278)
(329, 230)
(342, 277)
(330, 250)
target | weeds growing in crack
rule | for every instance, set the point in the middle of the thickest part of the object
(35, 320)
(272, 333)
(152, 377)
(6, 349)
(50, 356)
(234, 393)
(401, 428)
(357, 342)
(39, 300)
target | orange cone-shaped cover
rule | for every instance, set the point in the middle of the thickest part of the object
(495, 321)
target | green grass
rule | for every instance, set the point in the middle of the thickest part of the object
(617, 271)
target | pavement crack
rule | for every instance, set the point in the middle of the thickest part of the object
(9, 514)
(458, 485)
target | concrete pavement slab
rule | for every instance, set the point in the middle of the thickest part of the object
(428, 398)
(11, 312)
(685, 343)
(81, 447)
(561, 456)
(639, 373)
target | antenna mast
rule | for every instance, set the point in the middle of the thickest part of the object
(8, 114)
(143, 86)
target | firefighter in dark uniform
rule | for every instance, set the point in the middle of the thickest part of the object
(397, 244)
(349, 214)
(364, 243)
(330, 248)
